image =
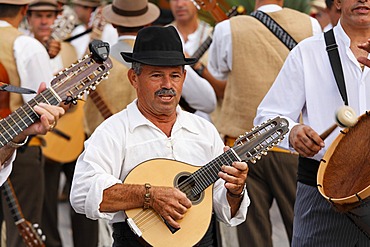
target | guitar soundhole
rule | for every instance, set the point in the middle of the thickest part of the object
(184, 182)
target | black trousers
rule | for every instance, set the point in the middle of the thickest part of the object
(84, 230)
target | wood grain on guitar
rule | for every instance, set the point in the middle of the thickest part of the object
(31, 236)
(196, 183)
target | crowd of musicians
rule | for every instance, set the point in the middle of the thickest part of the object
(159, 152)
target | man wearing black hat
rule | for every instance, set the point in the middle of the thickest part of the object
(154, 126)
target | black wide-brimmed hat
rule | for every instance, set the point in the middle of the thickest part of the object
(158, 46)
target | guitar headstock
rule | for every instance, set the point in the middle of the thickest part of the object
(252, 145)
(97, 21)
(72, 83)
(63, 26)
(213, 7)
(31, 234)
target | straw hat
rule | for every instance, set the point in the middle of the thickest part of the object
(158, 46)
(43, 5)
(17, 2)
(320, 4)
(129, 13)
(88, 3)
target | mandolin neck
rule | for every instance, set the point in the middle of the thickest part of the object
(24, 116)
(208, 174)
(12, 201)
(100, 104)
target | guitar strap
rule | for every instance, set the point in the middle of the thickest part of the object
(275, 28)
(336, 65)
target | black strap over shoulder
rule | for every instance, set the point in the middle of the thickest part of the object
(275, 28)
(336, 65)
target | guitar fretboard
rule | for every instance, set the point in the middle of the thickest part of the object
(208, 174)
(11, 200)
(24, 116)
(100, 104)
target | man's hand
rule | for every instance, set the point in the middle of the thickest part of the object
(170, 203)
(53, 47)
(365, 47)
(49, 115)
(305, 140)
(235, 176)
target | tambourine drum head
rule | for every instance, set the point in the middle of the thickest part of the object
(348, 169)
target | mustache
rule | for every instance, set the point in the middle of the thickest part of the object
(166, 91)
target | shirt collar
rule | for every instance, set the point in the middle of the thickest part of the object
(341, 35)
(270, 8)
(137, 119)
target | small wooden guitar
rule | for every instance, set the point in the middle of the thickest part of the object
(68, 86)
(195, 183)
(29, 233)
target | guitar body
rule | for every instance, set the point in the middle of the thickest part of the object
(59, 148)
(197, 219)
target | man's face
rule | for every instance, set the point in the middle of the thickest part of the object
(354, 12)
(41, 22)
(158, 89)
(183, 10)
(83, 13)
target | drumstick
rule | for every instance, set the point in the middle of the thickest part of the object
(345, 117)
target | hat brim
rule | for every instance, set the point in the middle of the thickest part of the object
(131, 21)
(18, 2)
(159, 60)
(86, 4)
(44, 8)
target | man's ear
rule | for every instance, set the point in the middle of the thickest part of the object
(133, 78)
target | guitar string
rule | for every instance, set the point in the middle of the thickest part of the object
(144, 222)
(28, 111)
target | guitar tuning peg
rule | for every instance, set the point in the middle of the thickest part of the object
(93, 87)
(264, 152)
(253, 161)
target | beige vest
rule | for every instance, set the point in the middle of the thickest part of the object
(116, 93)
(7, 37)
(258, 56)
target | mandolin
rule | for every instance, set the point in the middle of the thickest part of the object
(29, 233)
(67, 86)
(196, 183)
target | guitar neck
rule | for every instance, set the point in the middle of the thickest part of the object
(100, 104)
(207, 175)
(202, 48)
(24, 116)
(12, 201)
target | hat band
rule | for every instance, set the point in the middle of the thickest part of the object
(128, 12)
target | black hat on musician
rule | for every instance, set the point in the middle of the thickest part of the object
(158, 46)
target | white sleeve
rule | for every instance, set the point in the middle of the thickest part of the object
(198, 92)
(316, 28)
(220, 51)
(6, 168)
(33, 64)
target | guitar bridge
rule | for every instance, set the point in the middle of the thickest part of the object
(134, 227)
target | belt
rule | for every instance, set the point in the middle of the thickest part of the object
(229, 141)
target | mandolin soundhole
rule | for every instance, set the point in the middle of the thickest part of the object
(184, 182)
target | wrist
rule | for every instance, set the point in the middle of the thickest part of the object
(232, 195)
(200, 69)
(18, 142)
(147, 196)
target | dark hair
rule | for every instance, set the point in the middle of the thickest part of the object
(122, 29)
(9, 10)
(329, 3)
